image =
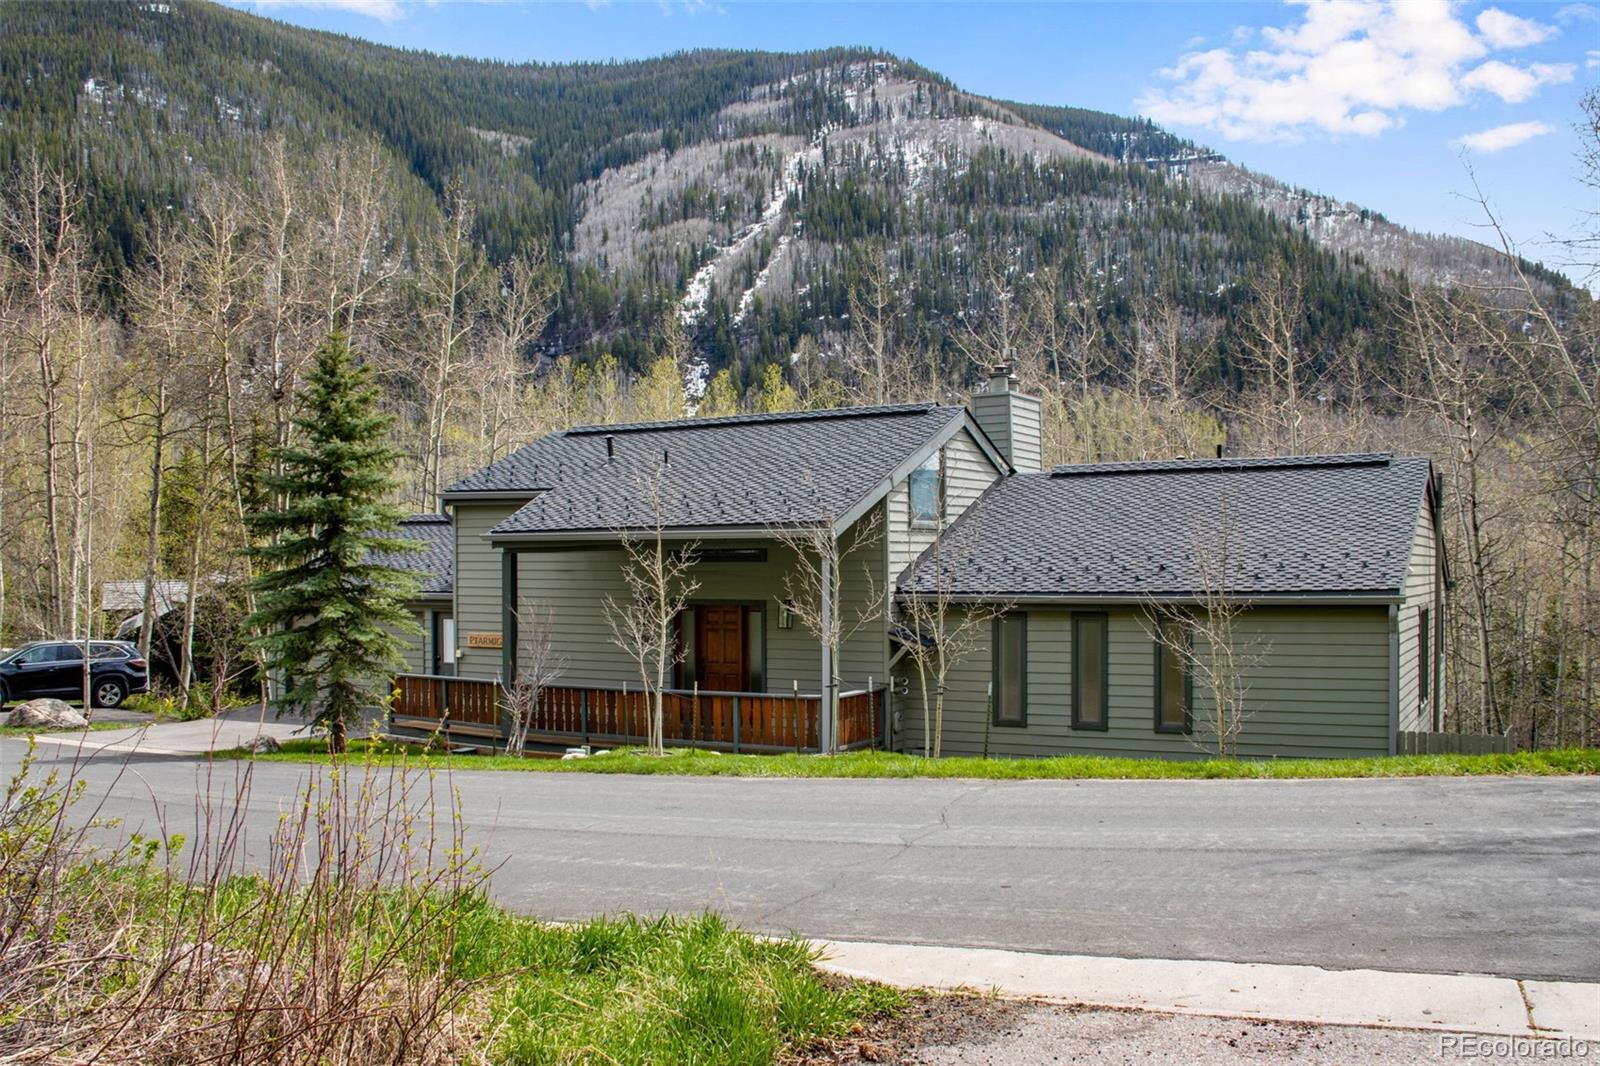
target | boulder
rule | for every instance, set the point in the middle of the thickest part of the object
(260, 746)
(47, 714)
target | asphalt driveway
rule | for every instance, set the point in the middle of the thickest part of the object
(1447, 875)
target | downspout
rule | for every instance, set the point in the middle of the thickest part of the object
(1394, 679)
(825, 703)
(508, 615)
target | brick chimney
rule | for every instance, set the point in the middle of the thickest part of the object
(1011, 418)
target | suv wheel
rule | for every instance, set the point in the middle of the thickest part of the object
(108, 692)
(5, 697)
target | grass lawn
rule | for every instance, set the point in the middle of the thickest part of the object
(887, 764)
(663, 990)
(32, 730)
(363, 935)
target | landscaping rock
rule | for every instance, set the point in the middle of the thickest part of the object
(47, 714)
(260, 746)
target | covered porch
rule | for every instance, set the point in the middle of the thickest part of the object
(472, 712)
(748, 671)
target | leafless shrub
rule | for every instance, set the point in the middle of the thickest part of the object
(660, 581)
(334, 947)
(538, 665)
(1208, 638)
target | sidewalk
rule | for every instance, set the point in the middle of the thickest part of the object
(200, 737)
(1470, 1003)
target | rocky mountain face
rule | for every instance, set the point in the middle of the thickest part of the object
(748, 194)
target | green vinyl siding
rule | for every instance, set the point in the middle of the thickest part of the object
(967, 472)
(418, 645)
(1416, 711)
(569, 588)
(477, 581)
(1320, 688)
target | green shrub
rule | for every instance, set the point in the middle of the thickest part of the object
(165, 705)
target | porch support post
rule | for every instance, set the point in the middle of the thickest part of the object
(508, 615)
(825, 704)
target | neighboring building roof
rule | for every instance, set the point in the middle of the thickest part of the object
(745, 471)
(435, 558)
(129, 595)
(1312, 525)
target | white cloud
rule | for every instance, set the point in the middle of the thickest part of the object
(1350, 67)
(1503, 30)
(1499, 138)
(1591, 59)
(1516, 84)
(1578, 13)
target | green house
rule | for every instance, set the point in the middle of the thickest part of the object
(1094, 586)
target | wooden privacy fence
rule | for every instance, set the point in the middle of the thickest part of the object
(1453, 744)
(574, 714)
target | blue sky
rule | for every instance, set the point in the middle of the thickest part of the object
(1372, 102)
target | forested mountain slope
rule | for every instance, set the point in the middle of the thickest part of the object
(751, 191)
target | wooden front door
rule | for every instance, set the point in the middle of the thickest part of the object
(719, 647)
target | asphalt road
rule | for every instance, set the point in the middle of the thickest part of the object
(1494, 876)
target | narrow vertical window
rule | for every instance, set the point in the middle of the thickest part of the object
(1424, 668)
(1010, 685)
(1174, 683)
(926, 489)
(1090, 665)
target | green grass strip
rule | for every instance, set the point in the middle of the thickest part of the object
(33, 730)
(878, 764)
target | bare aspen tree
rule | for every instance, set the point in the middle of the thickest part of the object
(1274, 355)
(873, 303)
(449, 282)
(1004, 332)
(814, 589)
(1457, 383)
(163, 323)
(40, 226)
(538, 666)
(354, 200)
(1080, 330)
(1209, 638)
(10, 428)
(279, 268)
(660, 580)
(941, 629)
(517, 316)
(1559, 365)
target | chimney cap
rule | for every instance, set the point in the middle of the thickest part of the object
(1000, 370)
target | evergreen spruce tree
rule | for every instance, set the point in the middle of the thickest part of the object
(329, 612)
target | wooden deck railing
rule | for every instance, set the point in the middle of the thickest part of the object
(569, 714)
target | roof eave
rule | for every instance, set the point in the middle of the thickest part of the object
(617, 536)
(1342, 599)
(490, 495)
(881, 489)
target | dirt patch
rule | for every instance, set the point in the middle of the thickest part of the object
(970, 1030)
(929, 1020)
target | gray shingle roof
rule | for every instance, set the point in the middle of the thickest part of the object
(742, 471)
(1331, 524)
(434, 559)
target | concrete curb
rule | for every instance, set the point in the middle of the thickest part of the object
(1473, 1003)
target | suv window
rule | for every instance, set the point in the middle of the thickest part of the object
(39, 653)
(69, 653)
(106, 650)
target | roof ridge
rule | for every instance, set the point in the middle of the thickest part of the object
(666, 425)
(1258, 462)
(419, 519)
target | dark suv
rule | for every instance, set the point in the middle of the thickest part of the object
(55, 668)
